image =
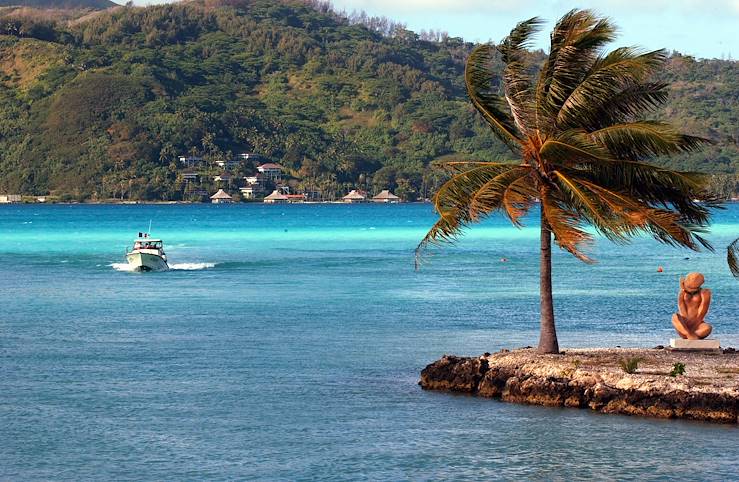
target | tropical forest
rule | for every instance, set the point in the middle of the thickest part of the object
(99, 104)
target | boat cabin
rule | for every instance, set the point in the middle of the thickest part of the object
(148, 244)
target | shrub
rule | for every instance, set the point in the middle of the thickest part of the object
(677, 369)
(630, 365)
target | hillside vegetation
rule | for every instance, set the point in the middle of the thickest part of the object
(101, 105)
(60, 4)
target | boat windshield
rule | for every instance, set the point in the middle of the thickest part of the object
(146, 244)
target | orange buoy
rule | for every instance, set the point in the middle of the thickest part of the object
(659, 269)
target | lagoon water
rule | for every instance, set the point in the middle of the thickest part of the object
(288, 341)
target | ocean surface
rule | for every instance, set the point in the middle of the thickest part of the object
(287, 344)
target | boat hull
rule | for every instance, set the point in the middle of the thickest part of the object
(146, 262)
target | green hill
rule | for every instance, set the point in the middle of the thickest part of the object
(101, 106)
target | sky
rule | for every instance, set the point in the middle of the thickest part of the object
(701, 28)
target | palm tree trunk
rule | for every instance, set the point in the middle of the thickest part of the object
(548, 333)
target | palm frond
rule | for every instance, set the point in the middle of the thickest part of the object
(667, 226)
(608, 76)
(453, 201)
(732, 257)
(500, 192)
(492, 107)
(572, 147)
(685, 192)
(612, 223)
(644, 140)
(575, 45)
(566, 227)
(518, 90)
(519, 197)
(624, 106)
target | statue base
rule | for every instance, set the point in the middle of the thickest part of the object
(681, 344)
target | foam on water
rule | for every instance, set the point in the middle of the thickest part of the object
(191, 266)
(121, 266)
(175, 266)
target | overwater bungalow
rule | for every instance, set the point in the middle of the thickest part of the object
(385, 196)
(296, 198)
(355, 196)
(276, 197)
(221, 197)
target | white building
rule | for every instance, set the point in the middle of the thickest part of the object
(271, 171)
(10, 198)
(251, 191)
(223, 177)
(258, 178)
(190, 161)
(229, 164)
(249, 156)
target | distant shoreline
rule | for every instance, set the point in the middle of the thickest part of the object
(134, 203)
(158, 203)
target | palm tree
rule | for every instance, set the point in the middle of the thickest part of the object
(580, 146)
(732, 257)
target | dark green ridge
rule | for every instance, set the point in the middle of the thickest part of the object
(99, 105)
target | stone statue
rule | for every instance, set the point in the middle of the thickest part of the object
(692, 304)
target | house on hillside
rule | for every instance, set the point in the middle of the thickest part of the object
(190, 176)
(355, 196)
(385, 196)
(251, 191)
(229, 164)
(276, 198)
(257, 178)
(190, 161)
(271, 171)
(221, 197)
(249, 156)
(224, 177)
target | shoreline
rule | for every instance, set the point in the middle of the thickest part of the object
(593, 378)
(259, 203)
(113, 202)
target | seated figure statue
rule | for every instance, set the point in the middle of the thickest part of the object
(692, 304)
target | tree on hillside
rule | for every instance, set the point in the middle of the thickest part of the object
(580, 144)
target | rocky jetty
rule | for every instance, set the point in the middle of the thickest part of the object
(594, 378)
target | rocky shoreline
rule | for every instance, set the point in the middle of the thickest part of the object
(594, 378)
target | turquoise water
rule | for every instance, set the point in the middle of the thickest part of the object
(287, 345)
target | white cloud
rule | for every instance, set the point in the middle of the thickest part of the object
(714, 7)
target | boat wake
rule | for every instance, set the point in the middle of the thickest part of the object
(175, 266)
(191, 266)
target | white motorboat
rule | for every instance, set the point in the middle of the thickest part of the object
(147, 254)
